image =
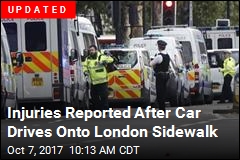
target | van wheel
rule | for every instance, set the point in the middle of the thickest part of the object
(185, 101)
(85, 102)
(146, 100)
(181, 98)
(75, 102)
(174, 100)
(199, 99)
(209, 98)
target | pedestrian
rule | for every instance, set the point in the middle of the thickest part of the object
(94, 66)
(160, 64)
(228, 71)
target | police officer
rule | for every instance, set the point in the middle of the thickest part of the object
(228, 71)
(94, 66)
(160, 64)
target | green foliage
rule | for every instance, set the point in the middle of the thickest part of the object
(97, 6)
(205, 13)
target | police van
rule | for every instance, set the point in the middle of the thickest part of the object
(43, 52)
(222, 36)
(178, 91)
(216, 58)
(8, 82)
(195, 60)
(133, 81)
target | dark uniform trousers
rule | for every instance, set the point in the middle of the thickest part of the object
(99, 95)
(161, 88)
(226, 90)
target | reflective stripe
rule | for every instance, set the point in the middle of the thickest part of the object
(126, 84)
(98, 81)
(38, 62)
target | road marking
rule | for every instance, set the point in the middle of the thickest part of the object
(35, 125)
(59, 120)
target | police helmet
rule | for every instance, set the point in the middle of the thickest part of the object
(161, 43)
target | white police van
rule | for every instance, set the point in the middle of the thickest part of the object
(174, 49)
(8, 82)
(195, 59)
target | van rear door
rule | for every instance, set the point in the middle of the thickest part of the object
(36, 69)
(125, 83)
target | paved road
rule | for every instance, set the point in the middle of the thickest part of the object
(226, 145)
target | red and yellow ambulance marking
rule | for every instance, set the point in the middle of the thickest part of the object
(40, 62)
(125, 83)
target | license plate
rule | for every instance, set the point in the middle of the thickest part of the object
(37, 81)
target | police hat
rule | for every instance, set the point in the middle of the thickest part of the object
(161, 43)
(226, 52)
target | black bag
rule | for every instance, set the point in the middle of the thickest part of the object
(110, 67)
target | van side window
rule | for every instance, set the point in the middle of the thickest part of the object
(35, 36)
(74, 36)
(215, 60)
(208, 43)
(146, 58)
(11, 30)
(224, 43)
(187, 51)
(235, 55)
(88, 39)
(202, 48)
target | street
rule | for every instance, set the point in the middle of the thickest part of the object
(225, 146)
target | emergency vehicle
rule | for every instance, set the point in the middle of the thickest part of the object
(222, 36)
(43, 53)
(133, 81)
(195, 60)
(178, 93)
(8, 82)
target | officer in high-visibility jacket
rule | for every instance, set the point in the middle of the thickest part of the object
(228, 71)
(94, 66)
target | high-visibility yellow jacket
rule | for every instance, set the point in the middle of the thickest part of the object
(228, 67)
(96, 69)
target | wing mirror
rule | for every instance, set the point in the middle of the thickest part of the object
(73, 55)
(19, 59)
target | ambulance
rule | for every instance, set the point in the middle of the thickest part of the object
(8, 81)
(43, 53)
(133, 82)
(195, 60)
